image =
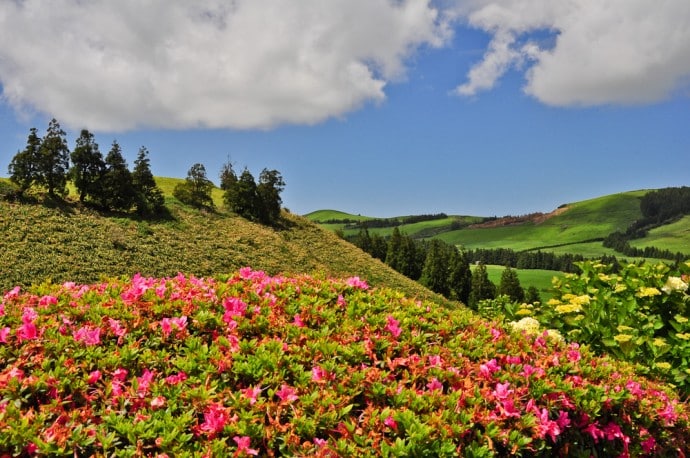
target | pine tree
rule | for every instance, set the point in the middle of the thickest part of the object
(245, 200)
(510, 286)
(54, 160)
(117, 192)
(149, 197)
(24, 167)
(460, 276)
(393, 252)
(88, 166)
(196, 189)
(228, 177)
(435, 271)
(481, 287)
(532, 295)
(268, 190)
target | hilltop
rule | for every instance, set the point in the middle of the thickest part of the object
(69, 242)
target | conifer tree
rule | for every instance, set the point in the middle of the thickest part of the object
(117, 192)
(510, 286)
(88, 166)
(23, 168)
(54, 160)
(268, 190)
(149, 197)
(228, 177)
(460, 276)
(196, 189)
(393, 253)
(245, 199)
(482, 288)
(532, 295)
(435, 271)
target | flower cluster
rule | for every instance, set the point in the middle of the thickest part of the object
(251, 364)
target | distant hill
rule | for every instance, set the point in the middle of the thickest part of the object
(73, 243)
(577, 228)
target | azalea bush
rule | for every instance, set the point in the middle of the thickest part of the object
(639, 314)
(251, 364)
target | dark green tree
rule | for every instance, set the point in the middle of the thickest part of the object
(149, 197)
(532, 295)
(88, 166)
(460, 276)
(117, 191)
(436, 268)
(393, 253)
(196, 189)
(54, 160)
(24, 167)
(379, 247)
(244, 198)
(270, 186)
(481, 287)
(228, 177)
(510, 286)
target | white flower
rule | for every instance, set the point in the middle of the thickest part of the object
(674, 284)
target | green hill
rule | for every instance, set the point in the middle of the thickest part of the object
(576, 228)
(73, 243)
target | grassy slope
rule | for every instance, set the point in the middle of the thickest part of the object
(674, 237)
(539, 278)
(38, 242)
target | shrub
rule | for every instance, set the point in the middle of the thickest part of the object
(251, 364)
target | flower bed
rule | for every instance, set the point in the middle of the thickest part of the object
(270, 366)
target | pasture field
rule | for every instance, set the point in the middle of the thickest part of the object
(674, 237)
(539, 278)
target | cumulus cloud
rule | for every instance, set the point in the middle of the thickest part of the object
(603, 52)
(209, 63)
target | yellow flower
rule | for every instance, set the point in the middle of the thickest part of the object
(680, 319)
(554, 335)
(568, 308)
(620, 287)
(664, 366)
(527, 324)
(659, 342)
(580, 300)
(524, 312)
(554, 301)
(623, 328)
(620, 338)
(604, 277)
(646, 291)
(683, 336)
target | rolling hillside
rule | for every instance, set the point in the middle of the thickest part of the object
(73, 243)
(576, 228)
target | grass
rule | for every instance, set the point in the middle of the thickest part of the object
(674, 237)
(329, 215)
(70, 242)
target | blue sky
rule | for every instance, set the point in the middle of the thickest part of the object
(464, 107)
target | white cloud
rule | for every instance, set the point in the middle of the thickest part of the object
(120, 65)
(605, 52)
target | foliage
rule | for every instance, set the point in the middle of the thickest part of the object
(196, 189)
(23, 168)
(117, 189)
(250, 364)
(510, 286)
(149, 198)
(88, 166)
(260, 202)
(639, 314)
(480, 286)
(53, 161)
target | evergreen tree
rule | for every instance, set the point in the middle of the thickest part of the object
(363, 240)
(245, 200)
(270, 186)
(54, 160)
(393, 252)
(23, 168)
(510, 286)
(411, 259)
(379, 247)
(481, 287)
(460, 276)
(196, 189)
(228, 177)
(532, 295)
(88, 166)
(435, 271)
(149, 197)
(117, 192)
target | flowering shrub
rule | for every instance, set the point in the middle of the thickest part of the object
(255, 365)
(639, 314)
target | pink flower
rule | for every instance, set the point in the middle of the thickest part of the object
(2, 309)
(495, 334)
(506, 409)
(320, 443)
(243, 445)
(158, 402)
(391, 423)
(94, 376)
(234, 307)
(251, 393)
(117, 328)
(297, 321)
(488, 368)
(648, 444)
(356, 282)
(160, 290)
(215, 418)
(286, 394)
(341, 301)
(88, 335)
(120, 374)
(547, 427)
(4, 332)
(167, 324)
(45, 301)
(563, 420)
(12, 294)
(434, 385)
(393, 326)
(319, 374)
(435, 361)
(175, 379)
(634, 388)
(502, 392)
(144, 382)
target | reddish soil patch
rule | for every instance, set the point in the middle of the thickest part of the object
(536, 218)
